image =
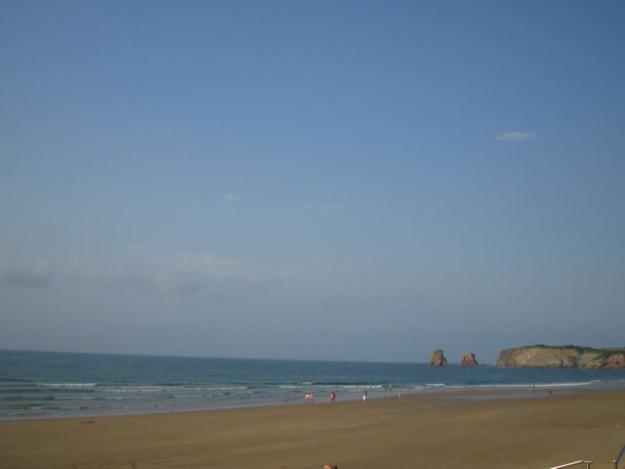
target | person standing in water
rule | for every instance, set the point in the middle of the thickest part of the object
(364, 396)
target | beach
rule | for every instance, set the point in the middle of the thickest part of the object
(445, 430)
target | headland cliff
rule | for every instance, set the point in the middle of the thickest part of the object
(565, 356)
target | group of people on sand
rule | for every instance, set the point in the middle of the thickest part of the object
(310, 397)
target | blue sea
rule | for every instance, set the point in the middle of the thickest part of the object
(48, 385)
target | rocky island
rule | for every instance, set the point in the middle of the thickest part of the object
(468, 359)
(438, 358)
(565, 356)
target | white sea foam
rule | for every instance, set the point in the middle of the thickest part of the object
(130, 389)
(171, 389)
(526, 385)
(68, 385)
(223, 388)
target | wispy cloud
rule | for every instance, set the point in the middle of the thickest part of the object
(515, 136)
(206, 263)
(184, 274)
(230, 197)
(326, 207)
(121, 278)
(138, 247)
(38, 275)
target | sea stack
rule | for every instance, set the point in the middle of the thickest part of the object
(468, 359)
(438, 358)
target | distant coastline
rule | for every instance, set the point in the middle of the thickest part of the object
(565, 356)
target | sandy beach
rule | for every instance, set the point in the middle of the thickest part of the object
(442, 430)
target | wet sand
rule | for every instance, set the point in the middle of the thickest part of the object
(433, 431)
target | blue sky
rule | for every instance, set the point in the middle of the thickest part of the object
(334, 180)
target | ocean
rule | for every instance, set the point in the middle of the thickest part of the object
(50, 385)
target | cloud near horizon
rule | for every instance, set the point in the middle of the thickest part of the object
(184, 274)
(515, 136)
(38, 275)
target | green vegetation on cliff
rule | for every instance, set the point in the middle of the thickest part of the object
(563, 356)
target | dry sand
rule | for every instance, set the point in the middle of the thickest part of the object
(415, 432)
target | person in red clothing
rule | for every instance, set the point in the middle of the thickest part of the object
(332, 396)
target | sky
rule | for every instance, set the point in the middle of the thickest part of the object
(336, 180)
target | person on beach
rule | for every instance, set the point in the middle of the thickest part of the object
(332, 396)
(364, 396)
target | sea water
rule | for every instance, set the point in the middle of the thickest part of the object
(45, 384)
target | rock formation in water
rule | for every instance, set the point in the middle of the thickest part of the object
(468, 359)
(438, 358)
(566, 356)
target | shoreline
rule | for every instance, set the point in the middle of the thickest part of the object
(438, 430)
(34, 387)
(479, 392)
